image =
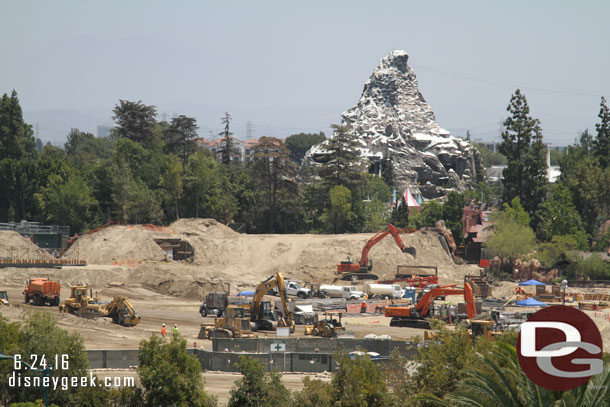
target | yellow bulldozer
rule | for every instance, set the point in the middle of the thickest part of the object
(83, 304)
(234, 323)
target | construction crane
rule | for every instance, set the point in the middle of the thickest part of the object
(415, 316)
(260, 311)
(362, 270)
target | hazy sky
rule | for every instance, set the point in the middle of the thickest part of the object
(296, 66)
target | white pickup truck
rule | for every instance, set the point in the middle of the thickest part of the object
(293, 288)
(338, 291)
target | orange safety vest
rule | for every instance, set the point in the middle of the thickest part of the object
(163, 331)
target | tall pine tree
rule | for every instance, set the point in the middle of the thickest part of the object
(525, 174)
(343, 165)
(601, 144)
(227, 149)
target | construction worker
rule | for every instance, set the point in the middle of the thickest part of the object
(163, 331)
(363, 307)
(175, 329)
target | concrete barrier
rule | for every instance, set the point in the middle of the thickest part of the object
(301, 355)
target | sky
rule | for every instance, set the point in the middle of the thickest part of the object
(287, 67)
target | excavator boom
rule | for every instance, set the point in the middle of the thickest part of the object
(263, 288)
(363, 268)
(415, 316)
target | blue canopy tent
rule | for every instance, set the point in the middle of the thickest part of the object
(246, 294)
(530, 302)
(531, 282)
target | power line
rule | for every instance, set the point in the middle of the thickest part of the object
(495, 81)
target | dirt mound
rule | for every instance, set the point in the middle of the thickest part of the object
(200, 227)
(118, 244)
(134, 244)
(13, 245)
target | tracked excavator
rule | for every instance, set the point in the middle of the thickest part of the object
(261, 313)
(349, 270)
(415, 316)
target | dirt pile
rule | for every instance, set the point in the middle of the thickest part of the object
(223, 256)
(134, 244)
(13, 245)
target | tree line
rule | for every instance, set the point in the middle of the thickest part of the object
(556, 219)
(150, 171)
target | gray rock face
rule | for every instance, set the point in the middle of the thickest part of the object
(392, 119)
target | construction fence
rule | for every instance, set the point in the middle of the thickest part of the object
(292, 355)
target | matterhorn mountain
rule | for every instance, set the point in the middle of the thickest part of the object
(393, 120)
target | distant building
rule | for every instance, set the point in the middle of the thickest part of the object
(104, 130)
(245, 148)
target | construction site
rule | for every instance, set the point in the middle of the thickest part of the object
(228, 293)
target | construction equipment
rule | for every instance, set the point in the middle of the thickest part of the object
(415, 316)
(260, 311)
(234, 324)
(329, 327)
(121, 311)
(4, 298)
(214, 302)
(349, 270)
(83, 304)
(413, 276)
(42, 291)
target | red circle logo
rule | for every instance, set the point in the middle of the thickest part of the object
(560, 348)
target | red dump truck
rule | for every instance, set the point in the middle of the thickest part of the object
(42, 291)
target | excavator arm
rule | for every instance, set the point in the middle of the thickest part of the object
(423, 305)
(263, 288)
(390, 229)
(122, 312)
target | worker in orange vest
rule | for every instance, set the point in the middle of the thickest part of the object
(363, 307)
(163, 331)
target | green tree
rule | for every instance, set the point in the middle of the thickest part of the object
(400, 214)
(558, 216)
(512, 236)
(499, 380)
(490, 157)
(180, 136)
(278, 194)
(171, 181)
(66, 202)
(359, 382)
(40, 335)
(340, 211)
(376, 216)
(300, 143)
(206, 187)
(171, 376)
(525, 174)
(18, 153)
(388, 172)
(342, 164)
(9, 343)
(427, 217)
(257, 388)
(601, 143)
(453, 210)
(315, 393)
(227, 149)
(135, 121)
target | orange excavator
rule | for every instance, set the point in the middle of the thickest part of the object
(349, 270)
(415, 316)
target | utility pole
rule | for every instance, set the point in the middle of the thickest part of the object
(249, 129)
